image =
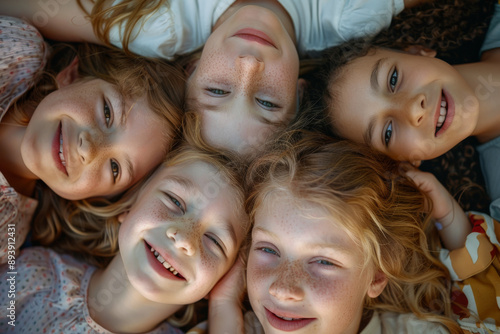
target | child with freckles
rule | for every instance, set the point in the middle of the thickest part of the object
(344, 242)
(179, 233)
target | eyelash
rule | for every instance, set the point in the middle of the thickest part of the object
(115, 170)
(216, 242)
(177, 203)
(217, 91)
(107, 113)
(268, 250)
(388, 134)
(393, 80)
(325, 263)
(266, 104)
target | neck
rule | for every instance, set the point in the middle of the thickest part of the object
(115, 304)
(484, 78)
(273, 5)
(12, 165)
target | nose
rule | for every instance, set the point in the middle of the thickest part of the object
(181, 240)
(417, 108)
(88, 144)
(288, 283)
(250, 67)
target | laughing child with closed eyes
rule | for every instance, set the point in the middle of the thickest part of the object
(85, 131)
(245, 82)
(179, 234)
(413, 106)
(341, 243)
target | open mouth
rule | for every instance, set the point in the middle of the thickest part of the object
(443, 112)
(58, 150)
(164, 263)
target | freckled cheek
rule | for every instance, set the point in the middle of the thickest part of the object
(259, 276)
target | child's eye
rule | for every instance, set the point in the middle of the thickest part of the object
(215, 241)
(217, 91)
(268, 250)
(176, 202)
(267, 104)
(325, 262)
(107, 113)
(393, 80)
(388, 134)
(115, 170)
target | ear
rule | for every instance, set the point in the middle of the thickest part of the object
(420, 50)
(69, 74)
(377, 285)
(122, 216)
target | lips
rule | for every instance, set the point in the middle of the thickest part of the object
(255, 35)
(58, 150)
(159, 263)
(286, 322)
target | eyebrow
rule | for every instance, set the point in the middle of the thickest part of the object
(368, 134)
(374, 76)
(183, 182)
(129, 167)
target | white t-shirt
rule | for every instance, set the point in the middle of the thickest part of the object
(183, 26)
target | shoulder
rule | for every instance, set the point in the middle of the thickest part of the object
(390, 322)
(23, 54)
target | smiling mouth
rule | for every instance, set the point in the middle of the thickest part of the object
(165, 264)
(443, 112)
(61, 155)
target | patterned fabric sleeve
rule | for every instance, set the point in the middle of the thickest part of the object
(16, 212)
(23, 55)
(475, 269)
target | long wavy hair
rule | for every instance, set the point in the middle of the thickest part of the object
(162, 83)
(381, 210)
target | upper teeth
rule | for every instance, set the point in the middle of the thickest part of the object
(442, 113)
(165, 263)
(286, 318)
(61, 155)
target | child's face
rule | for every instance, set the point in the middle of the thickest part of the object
(246, 79)
(107, 142)
(302, 265)
(410, 107)
(194, 223)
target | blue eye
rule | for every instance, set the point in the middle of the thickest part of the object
(107, 113)
(217, 91)
(115, 170)
(393, 80)
(388, 134)
(176, 202)
(325, 262)
(267, 104)
(268, 250)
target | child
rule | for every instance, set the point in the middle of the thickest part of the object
(338, 246)
(86, 134)
(180, 234)
(411, 105)
(245, 82)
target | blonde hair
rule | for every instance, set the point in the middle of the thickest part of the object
(382, 210)
(127, 13)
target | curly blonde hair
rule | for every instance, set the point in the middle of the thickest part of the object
(383, 211)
